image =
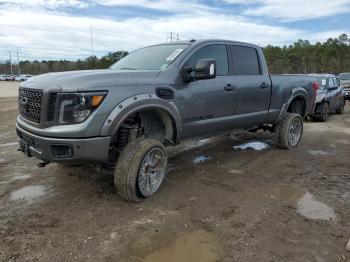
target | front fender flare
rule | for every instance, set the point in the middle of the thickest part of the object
(139, 102)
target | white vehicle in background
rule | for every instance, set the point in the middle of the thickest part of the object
(4, 77)
(22, 78)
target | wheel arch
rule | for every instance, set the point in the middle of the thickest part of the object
(299, 97)
(297, 94)
(167, 111)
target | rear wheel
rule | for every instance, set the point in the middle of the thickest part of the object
(289, 131)
(140, 169)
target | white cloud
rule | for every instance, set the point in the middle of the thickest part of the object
(293, 10)
(172, 6)
(39, 33)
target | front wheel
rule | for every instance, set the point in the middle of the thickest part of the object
(140, 170)
(325, 113)
(289, 130)
(340, 109)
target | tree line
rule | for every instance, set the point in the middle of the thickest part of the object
(40, 67)
(331, 56)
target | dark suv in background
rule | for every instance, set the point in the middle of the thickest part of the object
(329, 96)
(345, 83)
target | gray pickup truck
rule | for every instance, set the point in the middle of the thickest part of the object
(155, 97)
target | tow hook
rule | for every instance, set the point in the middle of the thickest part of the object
(42, 164)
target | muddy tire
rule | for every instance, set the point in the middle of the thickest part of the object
(288, 131)
(140, 169)
(325, 113)
(340, 109)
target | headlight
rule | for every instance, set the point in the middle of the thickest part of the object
(75, 108)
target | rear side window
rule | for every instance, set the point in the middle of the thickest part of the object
(217, 52)
(245, 60)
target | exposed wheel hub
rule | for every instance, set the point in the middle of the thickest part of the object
(152, 171)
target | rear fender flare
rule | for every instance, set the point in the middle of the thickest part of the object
(296, 92)
(136, 103)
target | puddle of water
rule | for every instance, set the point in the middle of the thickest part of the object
(313, 209)
(29, 193)
(255, 145)
(318, 153)
(20, 177)
(286, 193)
(199, 245)
(236, 171)
(200, 159)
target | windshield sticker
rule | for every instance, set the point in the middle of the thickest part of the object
(174, 54)
(324, 81)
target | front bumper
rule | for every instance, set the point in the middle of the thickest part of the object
(94, 150)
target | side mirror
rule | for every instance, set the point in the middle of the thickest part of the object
(205, 69)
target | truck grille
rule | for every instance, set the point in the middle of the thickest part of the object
(51, 107)
(29, 103)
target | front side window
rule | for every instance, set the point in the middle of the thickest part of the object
(245, 60)
(336, 82)
(331, 82)
(157, 57)
(217, 52)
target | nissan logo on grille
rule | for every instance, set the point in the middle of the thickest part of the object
(23, 100)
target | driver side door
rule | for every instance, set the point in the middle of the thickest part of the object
(207, 106)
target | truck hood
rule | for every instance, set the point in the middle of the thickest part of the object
(92, 79)
(345, 83)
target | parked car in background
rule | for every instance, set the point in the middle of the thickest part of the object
(329, 96)
(10, 78)
(4, 77)
(22, 78)
(345, 83)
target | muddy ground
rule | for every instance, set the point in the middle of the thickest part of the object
(217, 204)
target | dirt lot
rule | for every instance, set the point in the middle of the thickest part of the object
(8, 89)
(218, 203)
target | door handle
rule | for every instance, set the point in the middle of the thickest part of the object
(264, 85)
(229, 87)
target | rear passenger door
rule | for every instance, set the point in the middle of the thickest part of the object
(253, 88)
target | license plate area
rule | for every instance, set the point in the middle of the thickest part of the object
(24, 146)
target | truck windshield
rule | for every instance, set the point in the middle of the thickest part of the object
(157, 57)
(344, 76)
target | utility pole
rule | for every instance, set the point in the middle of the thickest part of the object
(92, 44)
(172, 36)
(11, 63)
(19, 67)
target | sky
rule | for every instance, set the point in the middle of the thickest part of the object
(61, 29)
